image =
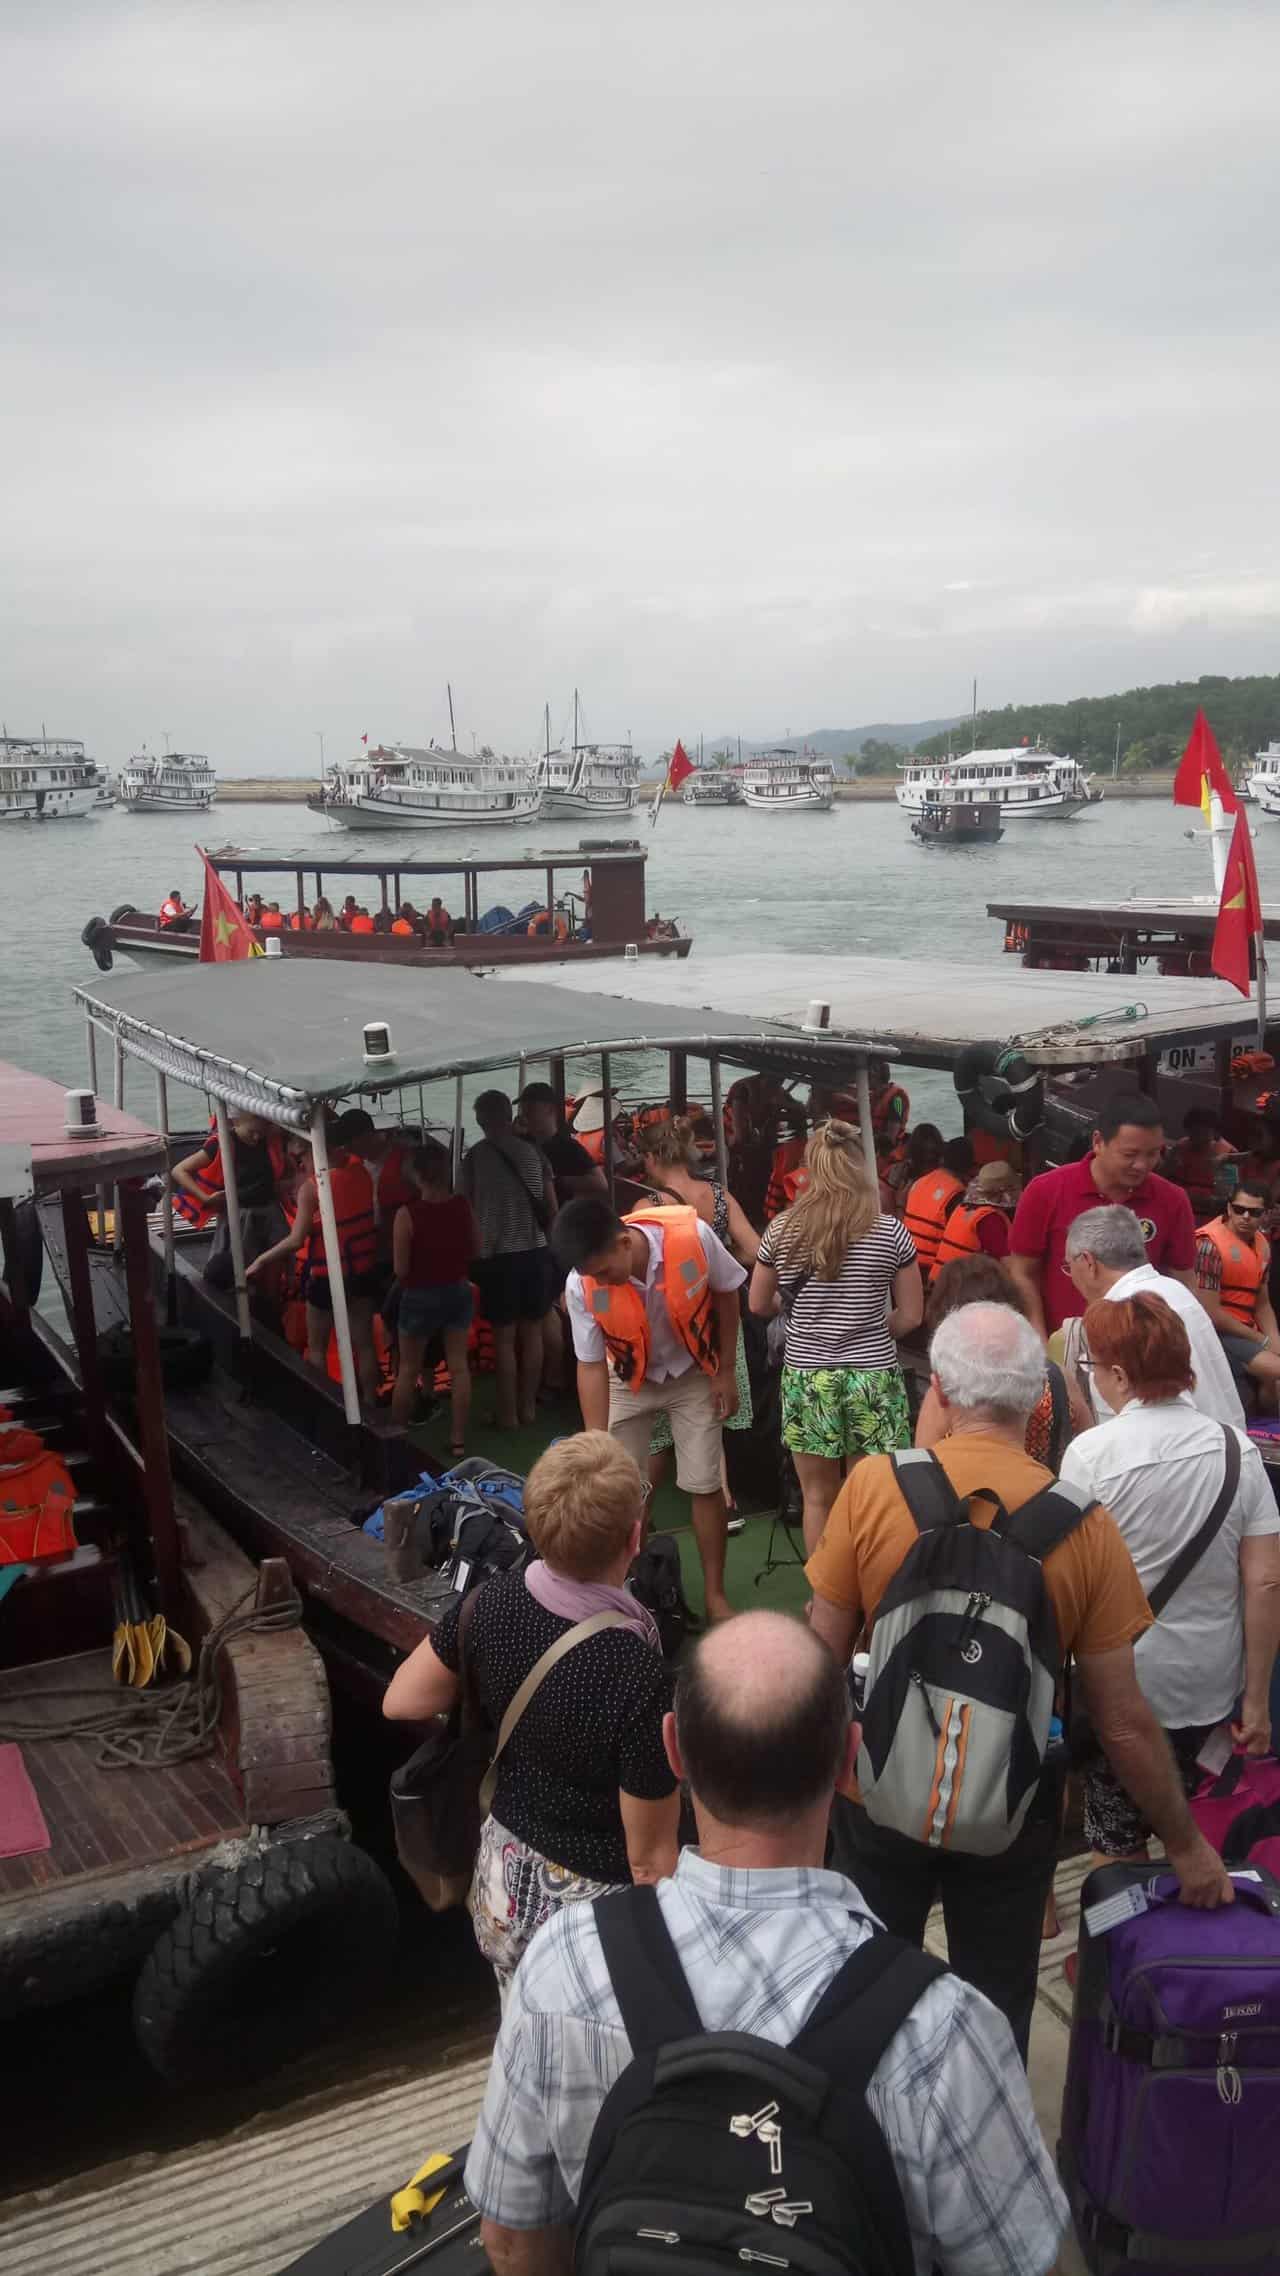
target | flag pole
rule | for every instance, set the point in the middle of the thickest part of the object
(1220, 833)
(1260, 953)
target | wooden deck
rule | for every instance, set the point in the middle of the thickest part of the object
(105, 1821)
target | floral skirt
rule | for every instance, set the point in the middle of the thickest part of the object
(838, 1411)
(513, 1890)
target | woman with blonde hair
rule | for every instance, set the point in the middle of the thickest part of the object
(323, 919)
(585, 1800)
(844, 1277)
(667, 1158)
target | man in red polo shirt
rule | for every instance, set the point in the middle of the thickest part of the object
(1127, 1144)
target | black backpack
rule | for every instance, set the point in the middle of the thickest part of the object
(655, 1581)
(715, 2147)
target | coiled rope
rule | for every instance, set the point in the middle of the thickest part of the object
(146, 1730)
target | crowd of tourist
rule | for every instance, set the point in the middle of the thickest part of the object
(1067, 1364)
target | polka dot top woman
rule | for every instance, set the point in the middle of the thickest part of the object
(586, 1800)
(845, 1278)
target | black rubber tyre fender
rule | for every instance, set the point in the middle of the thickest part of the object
(264, 1961)
(30, 1241)
(186, 1357)
(999, 1090)
(97, 937)
(126, 909)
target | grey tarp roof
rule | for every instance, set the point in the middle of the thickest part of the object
(927, 1010)
(280, 1036)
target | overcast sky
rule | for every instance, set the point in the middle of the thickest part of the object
(753, 367)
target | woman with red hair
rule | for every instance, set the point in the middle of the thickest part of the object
(1164, 1469)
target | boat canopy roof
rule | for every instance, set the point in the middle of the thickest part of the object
(927, 1012)
(279, 1037)
(36, 1154)
(590, 854)
(1196, 914)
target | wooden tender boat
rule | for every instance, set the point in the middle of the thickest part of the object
(950, 821)
(1172, 936)
(219, 1877)
(580, 905)
(283, 1456)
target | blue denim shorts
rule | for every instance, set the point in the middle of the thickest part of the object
(427, 1312)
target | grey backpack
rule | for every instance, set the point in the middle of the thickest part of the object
(965, 1660)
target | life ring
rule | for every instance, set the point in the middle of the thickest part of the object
(540, 925)
(999, 1090)
(97, 937)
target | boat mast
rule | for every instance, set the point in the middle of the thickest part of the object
(576, 770)
(453, 732)
(974, 744)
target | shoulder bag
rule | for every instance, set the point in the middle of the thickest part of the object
(440, 1795)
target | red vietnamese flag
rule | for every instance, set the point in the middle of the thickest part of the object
(1239, 912)
(1201, 762)
(681, 767)
(225, 938)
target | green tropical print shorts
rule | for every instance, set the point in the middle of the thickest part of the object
(836, 1411)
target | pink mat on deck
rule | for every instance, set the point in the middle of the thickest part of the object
(22, 1826)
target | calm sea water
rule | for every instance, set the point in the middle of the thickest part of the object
(853, 879)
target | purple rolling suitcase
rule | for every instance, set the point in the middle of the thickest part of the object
(1170, 2149)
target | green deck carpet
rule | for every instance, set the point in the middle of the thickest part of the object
(784, 1590)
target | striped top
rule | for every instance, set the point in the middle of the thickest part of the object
(841, 1322)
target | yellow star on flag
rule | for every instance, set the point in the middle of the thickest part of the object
(224, 932)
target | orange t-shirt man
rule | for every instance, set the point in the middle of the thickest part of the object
(1097, 1598)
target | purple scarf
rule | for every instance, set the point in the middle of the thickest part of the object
(577, 1600)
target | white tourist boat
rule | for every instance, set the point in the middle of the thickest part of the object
(180, 782)
(104, 791)
(783, 781)
(588, 780)
(397, 787)
(45, 778)
(712, 786)
(1263, 779)
(1026, 785)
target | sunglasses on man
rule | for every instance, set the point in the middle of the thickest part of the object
(1247, 1209)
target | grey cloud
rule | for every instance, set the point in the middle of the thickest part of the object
(741, 363)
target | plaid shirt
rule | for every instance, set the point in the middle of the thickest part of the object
(949, 2094)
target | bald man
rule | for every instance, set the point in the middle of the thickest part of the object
(758, 1930)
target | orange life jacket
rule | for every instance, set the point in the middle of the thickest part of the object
(37, 1499)
(170, 912)
(352, 1189)
(438, 921)
(925, 1212)
(959, 1237)
(887, 1122)
(300, 922)
(788, 1177)
(1245, 1266)
(362, 924)
(403, 927)
(211, 1180)
(272, 921)
(619, 1312)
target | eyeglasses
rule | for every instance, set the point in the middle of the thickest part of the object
(1247, 1209)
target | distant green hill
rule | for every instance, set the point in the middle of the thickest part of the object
(1153, 723)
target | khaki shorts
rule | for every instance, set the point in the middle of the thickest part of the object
(686, 1401)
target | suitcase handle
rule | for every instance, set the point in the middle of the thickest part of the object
(1255, 1883)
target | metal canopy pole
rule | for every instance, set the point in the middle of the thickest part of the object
(117, 1238)
(231, 1188)
(75, 1240)
(157, 1482)
(864, 1123)
(337, 1275)
(457, 1130)
(678, 1080)
(606, 1109)
(717, 1119)
(91, 1040)
(166, 1205)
